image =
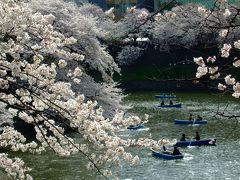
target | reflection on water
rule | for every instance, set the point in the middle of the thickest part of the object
(209, 162)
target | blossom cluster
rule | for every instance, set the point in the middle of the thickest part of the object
(213, 71)
(14, 167)
(203, 69)
(110, 13)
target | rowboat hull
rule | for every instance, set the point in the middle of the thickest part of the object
(165, 156)
(186, 122)
(205, 142)
(170, 106)
(165, 96)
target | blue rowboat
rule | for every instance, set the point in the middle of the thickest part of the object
(136, 127)
(204, 142)
(160, 154)
(187, 122)
(162, 96)
(170, 106)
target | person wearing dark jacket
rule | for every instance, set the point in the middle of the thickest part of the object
(190, 117)
(199, 118)
(183, 138)
(176, 151)
(197, 137)
(162, 103)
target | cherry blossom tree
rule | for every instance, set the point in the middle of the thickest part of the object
(185, 26)
(182, 26)
(88, 24)
(49, 47)
(34, 51)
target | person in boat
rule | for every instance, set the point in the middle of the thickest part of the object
(162, 103)
(199, 118)
(197, 137)
(183, 138)
(164, 150)
(190, 117)
(170, 102)
(176, 151)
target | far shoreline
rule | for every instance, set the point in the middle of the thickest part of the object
(168, 86)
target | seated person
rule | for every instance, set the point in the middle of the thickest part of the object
(162, 103)
(164, 150)
(190, 117)
(183, 138)
(199, 118)
(170, 102)
(176, 151)
(197, 137)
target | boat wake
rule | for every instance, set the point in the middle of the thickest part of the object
(187, 157)
(143, 129)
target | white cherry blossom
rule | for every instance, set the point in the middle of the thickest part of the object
(225, 50)
(229, 80)
(143, 15)
(199, 61)
(211, 59)
(236, 63)
(227, 13)
(237, 44)
(223, 33)
(221, 87)
(201, 71)
(110, 13)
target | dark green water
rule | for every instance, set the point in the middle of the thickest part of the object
(216, 162)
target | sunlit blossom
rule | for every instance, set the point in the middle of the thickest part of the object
(110, 13)
(158, 17)
(221, 87)
(237, 44)
(143, 15)
(211, 59)
(227, 13)
(201, 71)
(236, 63)
(131, 9)
(203, 11)
(225, 50)
(223, 33)
(170, 14)
(229, 80)
(199, 61)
